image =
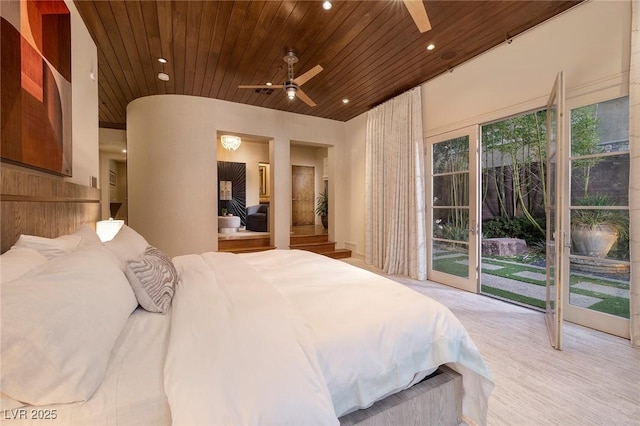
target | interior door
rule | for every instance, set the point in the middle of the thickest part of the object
(556, 236)
(453, 213)
(302, 191)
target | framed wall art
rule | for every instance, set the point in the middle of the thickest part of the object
(35, 85)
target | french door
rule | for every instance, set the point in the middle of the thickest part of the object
(453, 213)
(586, 176)
(556, 253)
(598, 161)
(587, 252)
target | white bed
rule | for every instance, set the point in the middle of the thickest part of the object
(278, 337)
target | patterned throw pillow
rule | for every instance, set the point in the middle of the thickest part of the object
(153, 278)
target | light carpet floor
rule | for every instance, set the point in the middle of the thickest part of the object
(594, 380)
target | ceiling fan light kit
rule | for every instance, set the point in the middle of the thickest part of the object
(291, 92)
(292, 85)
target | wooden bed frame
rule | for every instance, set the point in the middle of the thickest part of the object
(34, 204)
(49, 207)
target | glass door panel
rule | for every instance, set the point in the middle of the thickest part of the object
(554, 235)
(598, 294)
(453, 214)
(513, 163)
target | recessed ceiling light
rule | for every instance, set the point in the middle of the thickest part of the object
(162, 60)
(326, 5)
(124, 151)
(345, 101)
(269, 83)
(431, 46)
(163, 76)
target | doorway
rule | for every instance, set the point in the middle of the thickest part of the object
(244, 192)
(522, 178)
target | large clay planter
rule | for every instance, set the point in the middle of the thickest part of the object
(593, 241)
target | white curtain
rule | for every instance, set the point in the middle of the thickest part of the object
(395, 184)
(634, 146)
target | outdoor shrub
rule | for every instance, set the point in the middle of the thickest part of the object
(516, 227)
(451, 232)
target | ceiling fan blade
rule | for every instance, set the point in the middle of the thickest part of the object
(301, 79)
(260, 86)
(419, 14)
(304, 98)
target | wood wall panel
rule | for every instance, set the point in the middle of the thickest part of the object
(44, 206)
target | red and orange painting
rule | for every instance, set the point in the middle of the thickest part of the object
(35, 84)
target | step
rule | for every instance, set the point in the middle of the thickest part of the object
(240, 250)
(295, 240)
(324, 247)
(243, 243)
(339, 254)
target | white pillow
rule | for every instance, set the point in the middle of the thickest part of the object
(50, 247)
(126, 245)
(59, 325)
(88, 236)
(18, 261)
(153, 278)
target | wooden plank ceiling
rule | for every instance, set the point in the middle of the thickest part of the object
(371, 51)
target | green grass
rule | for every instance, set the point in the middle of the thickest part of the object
(450, 266)
(530, 301)
(613, 305)
(509, 270)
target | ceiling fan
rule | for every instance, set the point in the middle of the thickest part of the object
(292, 85)
(419, 14)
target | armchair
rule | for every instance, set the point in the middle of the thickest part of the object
(258, 218)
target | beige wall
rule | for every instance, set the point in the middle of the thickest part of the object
(84, 119)
(590, 43)
(172, 158)
(354, 201)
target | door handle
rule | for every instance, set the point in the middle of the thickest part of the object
(473, 228)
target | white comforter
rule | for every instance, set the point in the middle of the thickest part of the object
(239, 353)
(374, 335)
(303, 339)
